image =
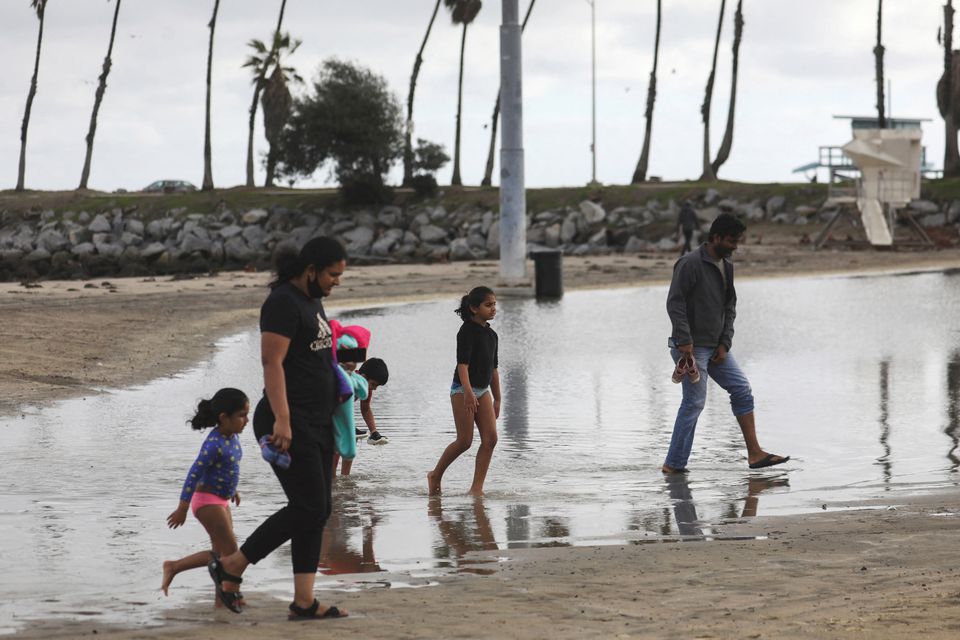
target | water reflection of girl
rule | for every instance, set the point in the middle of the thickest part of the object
(296, 412)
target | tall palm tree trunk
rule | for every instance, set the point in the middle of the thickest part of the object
(207, 160)
(878, 55)
(455, 180)
(640, 173)
(258, 86)
(951, 154)
(21, 172)
(408, 134)
(708, 173)
(494, 121)
(723, 153)
(101, 88)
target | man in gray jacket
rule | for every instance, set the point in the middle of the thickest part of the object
(702, 304)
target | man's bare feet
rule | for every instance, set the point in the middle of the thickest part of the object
(476, 493)
(669, 470)
(433, 483)
(167, 576)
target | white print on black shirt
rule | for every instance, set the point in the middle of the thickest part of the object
(324, 336)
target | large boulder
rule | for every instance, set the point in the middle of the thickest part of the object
(236, 249)
(100, 224)
(51, 241)
(460, 250)
(385, 244)
(254, 216)
(432, 234)
(592, 212)
(358, 241)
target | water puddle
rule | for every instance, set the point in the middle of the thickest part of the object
(858, 379)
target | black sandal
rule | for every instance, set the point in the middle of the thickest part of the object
(232, 600)
(310, 613)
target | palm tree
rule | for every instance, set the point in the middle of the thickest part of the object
(39, 6)
(724, 151)
(277, 102)
(640, 173)
(878, 55)
(207, 162)
(488, 172)
(101, 88)
(260, 74)
(708, 173)
(948, 104)
(463, 12)
(407, 141)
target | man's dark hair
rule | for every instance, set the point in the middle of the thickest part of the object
(375, 369)
(725, 225)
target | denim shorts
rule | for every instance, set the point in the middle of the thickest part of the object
(478, 392)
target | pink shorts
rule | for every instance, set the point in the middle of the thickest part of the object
(202, 499)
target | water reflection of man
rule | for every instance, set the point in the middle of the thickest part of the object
(702, 305)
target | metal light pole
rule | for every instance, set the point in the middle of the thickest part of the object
(593, 89)
(513, 198)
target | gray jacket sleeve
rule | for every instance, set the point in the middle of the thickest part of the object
(684, 279)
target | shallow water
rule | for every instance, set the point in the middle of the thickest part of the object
(857, 378)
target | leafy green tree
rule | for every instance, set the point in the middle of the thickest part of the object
(98, 98)
(40, 7)
(429, 158)
(462, 12)
(350, 122)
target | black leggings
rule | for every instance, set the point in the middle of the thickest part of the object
(307, 483)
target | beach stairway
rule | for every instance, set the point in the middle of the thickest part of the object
(874, 222)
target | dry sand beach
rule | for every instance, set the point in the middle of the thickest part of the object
(865, 572)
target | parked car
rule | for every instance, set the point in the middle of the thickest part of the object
(169, 186)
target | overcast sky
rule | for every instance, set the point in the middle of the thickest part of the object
(801, 62)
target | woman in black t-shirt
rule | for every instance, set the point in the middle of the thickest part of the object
(296, 414)
(475, 392)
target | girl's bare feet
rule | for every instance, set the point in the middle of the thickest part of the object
(477, 493)
(433, 483)
(167, 575)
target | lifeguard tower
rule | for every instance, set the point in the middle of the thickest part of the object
(873, 178)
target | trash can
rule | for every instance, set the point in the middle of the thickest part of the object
(548, 273)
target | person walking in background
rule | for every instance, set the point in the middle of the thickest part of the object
(687, 223)
(296, 412)
(702, 305)
(475, 393)
(211, 483)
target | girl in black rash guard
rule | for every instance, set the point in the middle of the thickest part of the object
(475, 393)
(296, 412)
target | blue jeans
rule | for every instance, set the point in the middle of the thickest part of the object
(726, 374)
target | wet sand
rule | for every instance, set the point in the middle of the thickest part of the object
(871, 572)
